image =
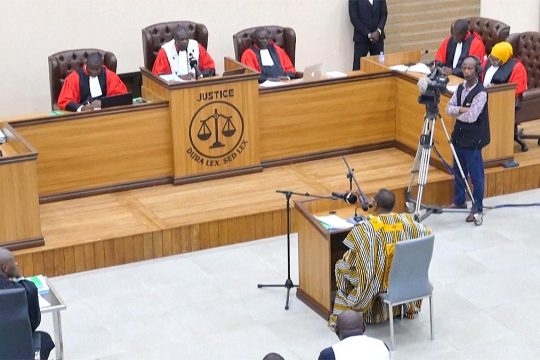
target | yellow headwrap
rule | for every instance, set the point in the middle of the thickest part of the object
(502, 51)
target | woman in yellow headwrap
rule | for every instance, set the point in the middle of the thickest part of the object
(502, 68)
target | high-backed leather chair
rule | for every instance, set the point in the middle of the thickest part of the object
(16, 338)
(284, 37)
(154, 36)
(526, 46)
(64, 62)
(492, 31)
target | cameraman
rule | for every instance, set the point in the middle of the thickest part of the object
(471, 133)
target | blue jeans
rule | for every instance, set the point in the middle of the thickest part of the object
(473, 167)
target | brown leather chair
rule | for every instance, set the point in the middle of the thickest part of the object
(284, 37)
(64, 62)
(492, 31)
(154, 36)
(526, 47)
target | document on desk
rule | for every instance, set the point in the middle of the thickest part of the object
(418, 68)
(335, 74)
(270, 84)
(171, 77)
(334, 222)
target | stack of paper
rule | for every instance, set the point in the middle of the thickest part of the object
(334, 222)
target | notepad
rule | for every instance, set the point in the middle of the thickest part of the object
(334, 222)
(41, 283)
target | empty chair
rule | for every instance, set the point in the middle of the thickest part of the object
(16, 338)
(62, 63)
(492, 31)
(408, 279)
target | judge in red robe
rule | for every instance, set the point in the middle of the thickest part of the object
(84, 87)
(184, 57)
(267, 58)
(455, 48)
(502, 68)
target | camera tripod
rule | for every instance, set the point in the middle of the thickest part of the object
(421, 167)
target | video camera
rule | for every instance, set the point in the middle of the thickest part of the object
(430, 88)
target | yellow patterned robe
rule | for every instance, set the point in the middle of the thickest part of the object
(360, 274)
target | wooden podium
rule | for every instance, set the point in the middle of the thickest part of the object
(19, 207)
(213, 123)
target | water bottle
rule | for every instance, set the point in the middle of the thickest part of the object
(381, 57)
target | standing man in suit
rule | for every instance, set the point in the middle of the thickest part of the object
(368, 18)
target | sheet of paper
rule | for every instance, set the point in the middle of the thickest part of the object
(171, 77)
(451, 88)
(401, 67)
(335, 74)
(334, 221)
(269, 84)
(420, 68)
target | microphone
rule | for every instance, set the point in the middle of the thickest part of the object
(193, 63)
(348, 197)
(364, 203)
(423, 84)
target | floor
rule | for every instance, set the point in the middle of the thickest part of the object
(206, 305)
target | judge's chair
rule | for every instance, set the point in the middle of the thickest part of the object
(64, 62)
(284, 37)
(154, 36)
(526, 46)
(408, 280)
(16, 338)
(492, 31)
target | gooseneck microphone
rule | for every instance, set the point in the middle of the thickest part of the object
(348, 197)
(194, 64)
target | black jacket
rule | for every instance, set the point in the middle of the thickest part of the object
(471, 135)
(367, 18)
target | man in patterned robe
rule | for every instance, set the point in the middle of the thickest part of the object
(362, 273)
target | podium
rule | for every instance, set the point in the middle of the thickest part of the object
(19, 208)
(213, 123)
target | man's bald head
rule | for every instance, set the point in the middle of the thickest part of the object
(385, 200)
(181, 38)
(350, 323)
(8, 265)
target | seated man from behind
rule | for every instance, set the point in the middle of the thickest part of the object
(354, 344)
(84, 87)
(184, 57)
(267, 58)
(362, 272)
(9, 273)
(460, 44)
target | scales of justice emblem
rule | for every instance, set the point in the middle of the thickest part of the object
(216, 129)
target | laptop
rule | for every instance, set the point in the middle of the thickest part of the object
(313, 73)
(239, 71)
(116, 100)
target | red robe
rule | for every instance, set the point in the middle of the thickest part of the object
(519, 77)
(477, 48)
(71, 89)
(161, 65)
(249, 58)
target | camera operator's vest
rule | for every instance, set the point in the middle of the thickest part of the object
(451, 50)
(471, 135)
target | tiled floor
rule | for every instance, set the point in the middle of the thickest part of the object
(206, 305)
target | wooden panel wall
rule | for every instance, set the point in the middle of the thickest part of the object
(324, 118)
(423, 24)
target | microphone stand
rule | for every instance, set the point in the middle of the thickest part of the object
(364, 203)
(289, 283)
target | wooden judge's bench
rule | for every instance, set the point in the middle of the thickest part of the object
(215, 127)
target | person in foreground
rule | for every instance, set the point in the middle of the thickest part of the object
(184, 57)
(270, 60)
(471, 133)
(460, 44)
(368, 19)
(363, 271)
(353, 343)
(84, 87)
(9, 273)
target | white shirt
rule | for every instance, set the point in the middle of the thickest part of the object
(370, 348)
(489, 75)
(457, 54)
(266, 59)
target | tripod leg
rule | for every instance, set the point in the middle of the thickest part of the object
(416, 168)
(458, 163)
(426, 144)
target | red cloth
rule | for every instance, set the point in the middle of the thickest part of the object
(477, 48)
(161, 65)
(249, 58)
(71, 90)
(519, 77)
